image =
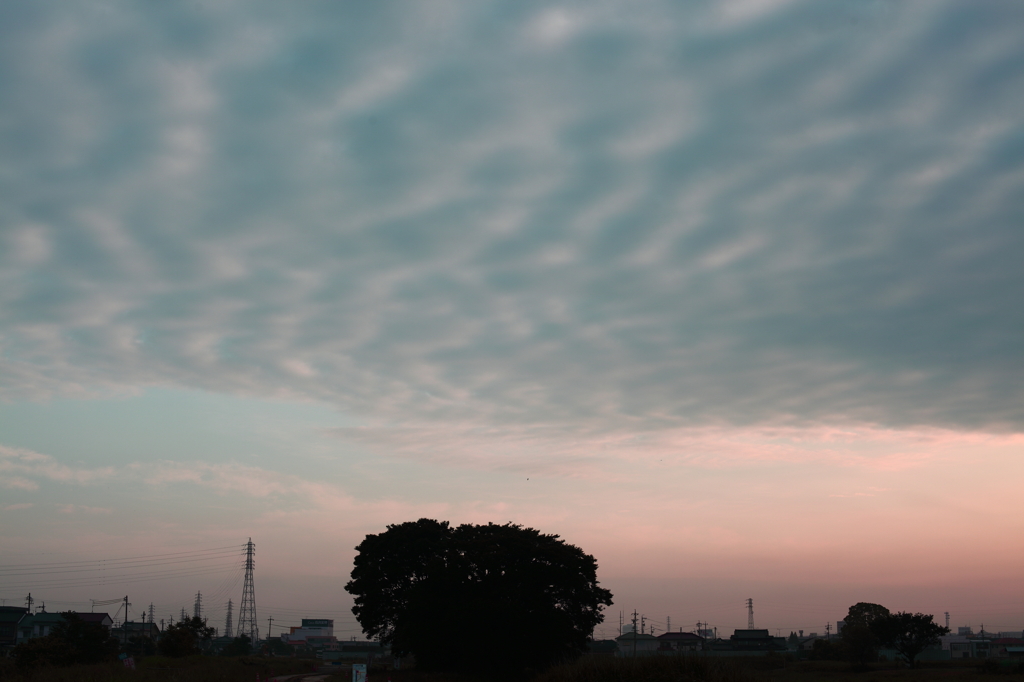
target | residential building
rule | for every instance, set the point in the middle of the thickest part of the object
(677, 642)
(637, 644)
(99, 618)
(10, 620)
(748, 643)
(602, 647)
(126, 631)
(38, 625)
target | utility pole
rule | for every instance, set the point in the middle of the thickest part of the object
(28, 602)
(634, 632)
(125, 624)
(828, 631)
(270, 626)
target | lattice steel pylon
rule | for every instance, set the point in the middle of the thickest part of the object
(247, 613)
(228, 629)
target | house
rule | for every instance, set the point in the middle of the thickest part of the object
(637, 644)
(98, 618)
(38, 625)
(602, 647)
(10, 620)
(1006, 647)
(676, 642)
(131, 629)
(748, 643)
(41, 624)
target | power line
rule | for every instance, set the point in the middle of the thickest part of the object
(148, 557)
(114, 566)
(94, 581)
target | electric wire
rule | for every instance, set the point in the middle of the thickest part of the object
(106, 564)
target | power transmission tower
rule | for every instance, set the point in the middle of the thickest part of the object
(668, 623)
(197, 609)
(247, 613)
(150, 612)
(184, 616)
(228, 631)
(750, 614)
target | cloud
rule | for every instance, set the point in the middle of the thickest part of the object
(19, 505)
(82, 509)
(807, 215)
(20, 468)
(552, 452)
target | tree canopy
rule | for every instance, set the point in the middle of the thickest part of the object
(71, 641)
(859, 641)
(186, 637)
(908, 633)
(476, 597)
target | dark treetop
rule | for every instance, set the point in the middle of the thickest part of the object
(499, 597)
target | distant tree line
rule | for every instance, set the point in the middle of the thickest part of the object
(870, 627)
(73, 641)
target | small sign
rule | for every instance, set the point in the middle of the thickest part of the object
(129, 662)
(358, 672)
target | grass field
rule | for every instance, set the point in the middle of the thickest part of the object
(696, 668)
(591, 669)
(160, 669)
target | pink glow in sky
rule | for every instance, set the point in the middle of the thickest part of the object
(729, 295)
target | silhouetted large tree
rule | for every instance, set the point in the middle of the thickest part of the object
(908, 633)
(860, 643)
(494, 597)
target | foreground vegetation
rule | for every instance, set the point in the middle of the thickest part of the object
(162, 669)
(767, 669)
(713, 669)
(586, 669)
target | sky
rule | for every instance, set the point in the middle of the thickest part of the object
(727, 294)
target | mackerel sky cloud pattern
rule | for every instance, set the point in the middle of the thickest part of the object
(517, 236)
